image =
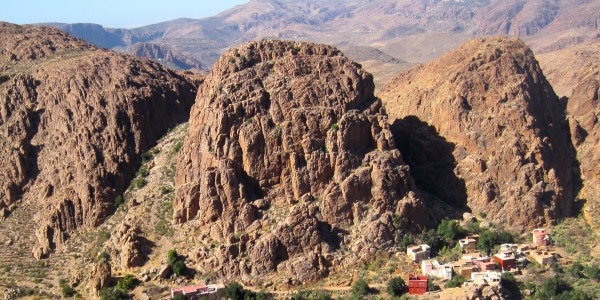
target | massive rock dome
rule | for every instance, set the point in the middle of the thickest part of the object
(289, 163)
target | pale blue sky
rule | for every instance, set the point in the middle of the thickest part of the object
(110, 13)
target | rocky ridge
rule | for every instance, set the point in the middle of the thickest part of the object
(289, 165)
(486, 113)
(74, 121)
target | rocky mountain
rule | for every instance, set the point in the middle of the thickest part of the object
(481, 127)
(165, 56)
(288, 161)
(74, 120)
(415, 31)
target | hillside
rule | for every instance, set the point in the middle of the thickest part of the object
(74, 121)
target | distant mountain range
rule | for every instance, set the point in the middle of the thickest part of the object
(413, 31)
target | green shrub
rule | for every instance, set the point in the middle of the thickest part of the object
(488, 239)
(456, 281)
(67, 290)
(450, 230)
(592, 272)
(178, 267)
(407, 239)
(177, 146)
(576, 269)
(360, 288)
(118, 201)
(139, 182)
(143, 171)
(311, 295)
(103, 256)
(396, 286)
(334, 127)
(113, 293)
(180, 297)
(234, 291)
(127, 283)
(553, 287)
(176, 262)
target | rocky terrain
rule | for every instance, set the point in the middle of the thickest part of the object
(482, 129)
(289, 166)
(74, 121)
(564, 69)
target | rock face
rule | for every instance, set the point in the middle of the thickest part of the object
(74, 120)
(497, 124)
(164, 55)
(288, 160)
(583, 109)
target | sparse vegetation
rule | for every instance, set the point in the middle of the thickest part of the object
(334, 127)
(103, 256)
(236, 291)
(127, 283)
(311, 295)
(114, 293)
(177, 146)
(118, 201)
(66, 289)
(139, 182)
(456, 281)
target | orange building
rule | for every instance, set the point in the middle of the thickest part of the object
(417, 284)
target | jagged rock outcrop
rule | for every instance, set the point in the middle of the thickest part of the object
(74, 121)
(100, 276)
(127, 246)
(289, 159)
(493, 111)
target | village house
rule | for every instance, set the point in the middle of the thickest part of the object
(464, 267)
(467, 244)
(418, 253)
(543, 258)
(417, 285)
(541, 237)
(197, 292)
(506, 260)
(488, 277)
(432, 268)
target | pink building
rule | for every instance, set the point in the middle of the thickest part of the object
(196, 292)
(485, 264)
(541, 237)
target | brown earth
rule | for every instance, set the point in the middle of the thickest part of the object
(482, 128)
(74, 121)
(289, 165)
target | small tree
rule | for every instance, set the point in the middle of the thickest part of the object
(360, 288)
(176, 262)
(234, 291)
(396, 286)
(450, 230)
